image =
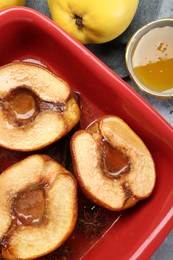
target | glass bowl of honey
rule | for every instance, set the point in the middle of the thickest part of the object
(149, 58)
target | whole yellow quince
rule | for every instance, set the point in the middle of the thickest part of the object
(93, 21)
(9, 3)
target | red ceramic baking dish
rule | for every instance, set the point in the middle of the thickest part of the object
(134, 233)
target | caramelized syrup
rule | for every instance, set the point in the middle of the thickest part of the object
(29, 206)
(20, 106)
(23, 104)
(153, 59)
(114, 161)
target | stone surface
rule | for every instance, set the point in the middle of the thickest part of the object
(112, 54)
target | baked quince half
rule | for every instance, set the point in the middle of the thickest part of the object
(36, 107)
(112, 164)
(38, 200)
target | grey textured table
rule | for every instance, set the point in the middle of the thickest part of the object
(164, 107)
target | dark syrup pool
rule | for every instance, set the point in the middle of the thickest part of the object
(93, 221)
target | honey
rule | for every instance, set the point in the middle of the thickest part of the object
(152, 59)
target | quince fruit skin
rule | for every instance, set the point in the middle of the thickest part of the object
(9, 3)
(95, 21)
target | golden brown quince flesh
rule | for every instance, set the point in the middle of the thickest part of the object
(37, 108)
(38, 199)
(112, 164)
